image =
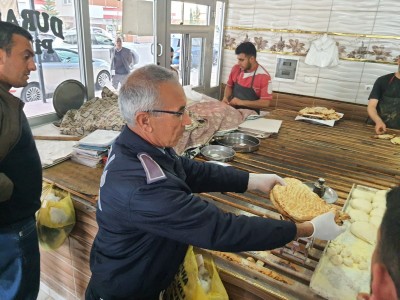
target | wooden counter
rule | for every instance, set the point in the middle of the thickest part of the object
(344, 155)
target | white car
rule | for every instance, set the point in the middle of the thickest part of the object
(101, 45)
(57, 67)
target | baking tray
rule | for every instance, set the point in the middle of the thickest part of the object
(341, 282)
(218, 153)
(240, 142)
(69, 94)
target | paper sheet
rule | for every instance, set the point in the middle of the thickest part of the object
(54, 152)
(262, 125)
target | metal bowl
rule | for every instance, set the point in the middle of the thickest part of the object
(240, 142)
(218, 153)
(330, 195)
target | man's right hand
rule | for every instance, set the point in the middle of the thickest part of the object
(380, 127)
(225, 100)
(325, 227)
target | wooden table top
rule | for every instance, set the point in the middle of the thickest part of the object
(344, 155)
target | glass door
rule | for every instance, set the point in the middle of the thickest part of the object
(185, 31)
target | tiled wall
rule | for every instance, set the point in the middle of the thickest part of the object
(367, 33)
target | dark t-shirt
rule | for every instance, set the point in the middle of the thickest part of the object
(382, 84)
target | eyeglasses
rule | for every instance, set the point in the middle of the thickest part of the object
(179, 113)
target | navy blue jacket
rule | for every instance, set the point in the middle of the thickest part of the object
(145, 228)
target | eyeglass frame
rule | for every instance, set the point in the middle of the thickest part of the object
(179, 113)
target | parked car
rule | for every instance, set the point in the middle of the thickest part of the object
(93, 30)
(57, 67)
(101, 45)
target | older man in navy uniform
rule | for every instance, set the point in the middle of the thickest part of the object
(147, 212)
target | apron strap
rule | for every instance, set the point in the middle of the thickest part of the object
(254, 75)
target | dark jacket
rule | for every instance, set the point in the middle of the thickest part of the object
(146, 222)
(20, 167)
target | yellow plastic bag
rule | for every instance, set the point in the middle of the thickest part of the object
(187, 285)
(55, 218)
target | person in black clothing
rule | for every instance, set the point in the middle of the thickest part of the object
(148, 211)
(20, 172)
(384, 102)
(385, 262)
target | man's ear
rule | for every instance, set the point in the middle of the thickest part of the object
(382, 286)
(143, 121)
(2, 54)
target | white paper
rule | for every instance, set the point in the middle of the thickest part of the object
(53, 152)
(262, 125)
(100, 138)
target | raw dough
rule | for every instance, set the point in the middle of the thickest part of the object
(379, 204)
(361, 204)
(381, 193)
(357, 215)
(337, 260)
(375, 220)
(332, 251)
(364, 231)
(348, 261)
(363, 265)
(378, 212)
(345, 253)
(363, 194)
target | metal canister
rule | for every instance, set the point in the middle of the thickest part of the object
(319, 187)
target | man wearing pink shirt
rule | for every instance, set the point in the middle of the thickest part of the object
(249, 84)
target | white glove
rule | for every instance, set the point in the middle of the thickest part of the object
(263, 182)
(325, 227)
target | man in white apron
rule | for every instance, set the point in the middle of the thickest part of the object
(384, 102)
(249, 84)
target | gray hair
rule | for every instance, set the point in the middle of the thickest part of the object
(140, 92)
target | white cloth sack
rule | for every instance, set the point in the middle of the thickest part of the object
(323, 52)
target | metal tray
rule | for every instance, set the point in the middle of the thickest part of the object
(70, 94)
(218, 153)
(240, 142)
(330, 195)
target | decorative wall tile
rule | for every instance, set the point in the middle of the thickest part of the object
(386, 23)
(313, 5)
(241, 15)
(352, 47)
(347, 81)
(351, 22)
(362, 94)
(336, 90)
(272, 5)
(309, 20)
(267, 18)
(299, 87)
(359, 5)
(383, 50)
(389, 5)
(372, 71)
(345, 71)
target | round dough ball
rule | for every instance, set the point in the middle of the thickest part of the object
(363, 265)
(362, 194)
(357, 215)
(377, 212)
(348, 261)
(361, 204)
(345, 253)
(337, 260)
(375, 220)
(331, 251)
(356, 259)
